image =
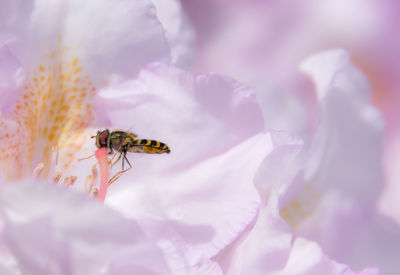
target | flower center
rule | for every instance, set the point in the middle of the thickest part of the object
(51, 115)
(301, 207)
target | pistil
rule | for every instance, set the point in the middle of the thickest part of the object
(102, 159)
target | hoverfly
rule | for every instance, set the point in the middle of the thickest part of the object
(123, 142)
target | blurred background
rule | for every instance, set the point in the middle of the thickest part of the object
(262, 42)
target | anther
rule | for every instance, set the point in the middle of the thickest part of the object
(68, 181)
(91, 179)
(57, 176)
(72, 180)
(95, 192)
(38, 170)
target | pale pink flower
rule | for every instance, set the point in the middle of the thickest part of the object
(53, 58)
(331, 184)
(68, 66)
(262, 42)
(63, 67)
(181, 209)
(178, 30)
(199, 198)
(346, 169)
(271, 246)
(51, 230)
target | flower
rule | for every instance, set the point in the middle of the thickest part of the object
(51, 67)
(178, 30)
(345, 165)
(271, 246)
(262, 42)
(190, 204)
(63, 67)
(199, 198)
(231, 196)
(51, 230)
(196, 202)
(323, 196)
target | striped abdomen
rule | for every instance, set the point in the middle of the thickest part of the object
(148, 146)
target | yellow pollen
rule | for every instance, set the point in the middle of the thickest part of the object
(77, 70)
(54, 104)
(301, 208)
(50, 137)
(75, 61)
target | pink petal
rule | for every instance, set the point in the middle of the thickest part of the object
(182, 257)
(389, 203)
(269, 246)
(214, 129)
(12, 78)
(178, 30)
(266, 245)
(112, 39)
(343, 171)
(349, 141)
(51, 230)
(281, 170)
(307, 258)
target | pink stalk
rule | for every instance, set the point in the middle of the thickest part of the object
(101, 155)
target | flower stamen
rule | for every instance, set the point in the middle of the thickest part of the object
(38, 170)
(57, 176)
(91, 179)
(69, 181)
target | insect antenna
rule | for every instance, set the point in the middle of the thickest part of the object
(86, 157)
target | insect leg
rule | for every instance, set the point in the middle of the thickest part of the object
(123, 159)
(130, 165)
(123, 153)
(115, 162)
(115, 155)
(86, 158)
(116, 176)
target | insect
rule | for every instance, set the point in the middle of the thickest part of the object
(123, 142)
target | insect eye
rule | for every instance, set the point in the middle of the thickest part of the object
(103, 138)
